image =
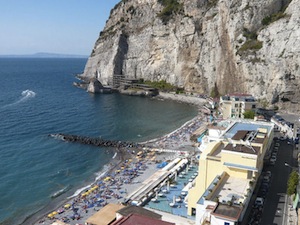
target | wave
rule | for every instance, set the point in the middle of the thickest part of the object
(114, 156)
(78, 191)
(26, 95)
(98, 177)
(61, 191)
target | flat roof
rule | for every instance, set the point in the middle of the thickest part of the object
(135, 219)
(242, 148)
(230, 212)
(138, 210)
(231, 187)
(106, 215)
(250, 126)
(217, 152)
(240, 135)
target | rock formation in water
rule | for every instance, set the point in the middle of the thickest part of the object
(246, 46)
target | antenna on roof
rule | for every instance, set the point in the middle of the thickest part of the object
(247, 143)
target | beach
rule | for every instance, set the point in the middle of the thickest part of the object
(125, 174)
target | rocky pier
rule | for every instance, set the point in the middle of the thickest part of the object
(99, 142)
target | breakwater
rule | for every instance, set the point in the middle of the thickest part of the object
(96, 141)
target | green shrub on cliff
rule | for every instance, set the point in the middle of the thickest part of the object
(161, 85)
(251, 43)
(272, 18)
(171, 7)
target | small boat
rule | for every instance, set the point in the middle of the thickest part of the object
(183, 193)
(180, 175)
(165, 191)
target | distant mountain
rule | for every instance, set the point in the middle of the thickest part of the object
(44, 55)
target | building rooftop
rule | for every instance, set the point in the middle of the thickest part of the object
(246, 126)
(242, 148)
(231, 189)
(105, 216)
(138, 210)
(230, 212)
(238, 97)
(135, 219)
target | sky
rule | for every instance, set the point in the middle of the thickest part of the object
(52, 26)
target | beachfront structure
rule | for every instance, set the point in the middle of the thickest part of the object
(106, 215)
(136, 219)
(234, 105)
(229, 166)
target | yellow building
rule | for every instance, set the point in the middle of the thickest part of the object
(234, 105)
(238, 158)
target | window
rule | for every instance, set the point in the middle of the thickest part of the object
(226, 223)
(194, 212)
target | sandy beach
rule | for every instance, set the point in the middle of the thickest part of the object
(125, 174)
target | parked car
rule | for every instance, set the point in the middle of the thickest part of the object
(268, 173)
(259, 201)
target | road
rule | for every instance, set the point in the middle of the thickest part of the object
(275, 207)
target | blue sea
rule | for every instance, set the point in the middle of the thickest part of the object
(37, 98)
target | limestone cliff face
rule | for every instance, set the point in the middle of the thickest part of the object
(240, 45)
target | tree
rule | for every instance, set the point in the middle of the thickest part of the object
(215, 92)
(249, 114)
(292, 183)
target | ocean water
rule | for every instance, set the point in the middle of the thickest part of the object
(36, 99)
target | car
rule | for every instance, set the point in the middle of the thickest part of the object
(259, 201)
(266, 179)
(273, 158)
(282, 138)
(268, 173)
(277, 144)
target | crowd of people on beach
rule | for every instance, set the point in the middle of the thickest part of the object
(180, 137)
(110, 188)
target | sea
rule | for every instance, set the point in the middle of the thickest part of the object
(37, 98)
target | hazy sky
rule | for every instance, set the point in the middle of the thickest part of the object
(54, 26)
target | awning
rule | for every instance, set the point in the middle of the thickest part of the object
(242, 167)
(295, 203)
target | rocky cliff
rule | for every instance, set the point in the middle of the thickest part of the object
(248, 46)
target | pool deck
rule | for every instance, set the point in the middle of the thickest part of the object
(177, 192)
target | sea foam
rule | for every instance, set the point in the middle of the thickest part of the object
(26, 95)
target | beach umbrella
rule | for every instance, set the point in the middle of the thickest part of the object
(67, 206)
(54, 213)
(50, 215)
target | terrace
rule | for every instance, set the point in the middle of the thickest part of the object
(171, 197)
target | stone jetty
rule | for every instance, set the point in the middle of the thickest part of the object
(96, 141)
